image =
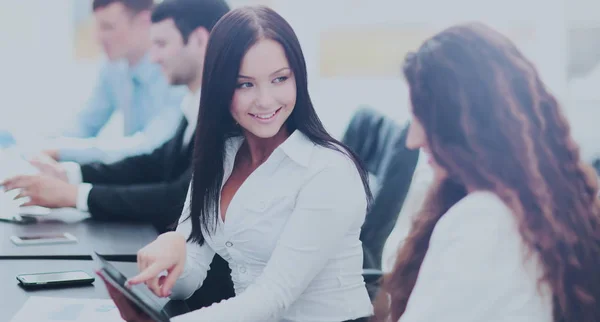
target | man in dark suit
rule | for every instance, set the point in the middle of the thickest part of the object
(152, 187)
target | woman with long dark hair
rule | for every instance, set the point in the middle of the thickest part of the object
(510, 229)
(272, 192)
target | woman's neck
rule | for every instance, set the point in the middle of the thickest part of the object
(259, 149)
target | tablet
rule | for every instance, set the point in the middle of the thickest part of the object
(139, 296)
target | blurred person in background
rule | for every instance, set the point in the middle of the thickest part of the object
(150, 187)
(129, 83)
(510, 230)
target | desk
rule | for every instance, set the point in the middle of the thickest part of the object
(116, 240)
(13, 296)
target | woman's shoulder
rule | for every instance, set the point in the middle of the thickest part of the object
(480, 200)
(477, 212)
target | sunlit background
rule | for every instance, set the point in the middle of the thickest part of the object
(353, 48)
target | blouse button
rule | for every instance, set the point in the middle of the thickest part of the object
(243, 269)
(228, 244)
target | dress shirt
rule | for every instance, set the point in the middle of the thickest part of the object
(6, 139)
(189, 107)
(476, 269)
(291, 238)
(150, 108)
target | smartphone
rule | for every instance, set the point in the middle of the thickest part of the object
(67, 278)
(64, 238)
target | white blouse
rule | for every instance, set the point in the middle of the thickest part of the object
(476, 269)
(291, 238)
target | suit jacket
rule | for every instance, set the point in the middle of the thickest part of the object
(149, 188)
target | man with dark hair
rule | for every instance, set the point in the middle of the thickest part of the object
(184, 26)
(128, 83)
(133, 6)
(151, 187)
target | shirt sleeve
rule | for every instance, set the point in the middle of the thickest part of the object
(83, 192)
(97, 112)
(335, 199)
(73, 171)
(85, 150)
(198, 259)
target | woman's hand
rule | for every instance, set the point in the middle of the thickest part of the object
(166, 253)
(129, 312)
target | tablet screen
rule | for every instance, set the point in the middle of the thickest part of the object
(139, 296)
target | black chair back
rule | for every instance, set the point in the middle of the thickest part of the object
(380, 143)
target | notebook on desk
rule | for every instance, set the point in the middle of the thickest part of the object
(53, 309)
(12, 211)
(138, 295)
(9, 209)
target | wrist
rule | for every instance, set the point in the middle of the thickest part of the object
(174, 236)
(70, 196)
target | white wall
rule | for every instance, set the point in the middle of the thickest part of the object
(335, 99)
(583, 111)
(41, 82)
(583, 101)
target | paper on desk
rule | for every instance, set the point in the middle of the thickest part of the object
(13, 163)
(53, 309)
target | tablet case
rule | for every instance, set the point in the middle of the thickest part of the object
(136, 296)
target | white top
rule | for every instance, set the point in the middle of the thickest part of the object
(476, 269)
(190, 106)
(291, 238)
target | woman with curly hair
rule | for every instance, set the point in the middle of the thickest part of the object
(509, 231)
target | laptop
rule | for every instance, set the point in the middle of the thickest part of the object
(139, 295)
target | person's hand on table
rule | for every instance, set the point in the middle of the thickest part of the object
(49, 166)
(129, 312)
(166, 253)
(43, 190)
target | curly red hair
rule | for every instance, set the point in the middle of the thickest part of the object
(492, 124)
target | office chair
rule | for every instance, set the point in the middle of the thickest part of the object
(380, 143)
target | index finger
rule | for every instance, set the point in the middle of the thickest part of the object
(149, 273)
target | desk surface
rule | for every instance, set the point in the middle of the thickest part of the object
(115, 240)
(13, 296)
